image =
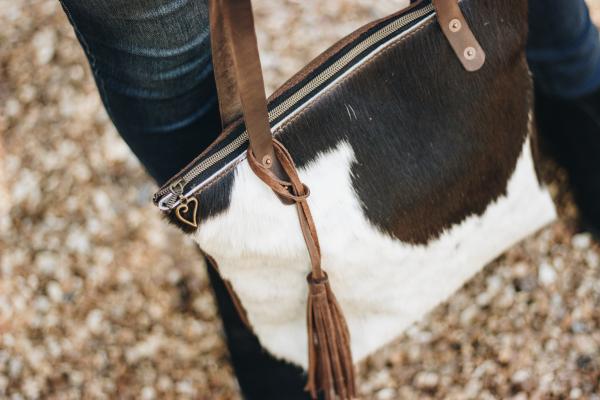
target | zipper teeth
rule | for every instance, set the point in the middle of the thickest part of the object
(212, 160)
(346, 59)
(300, 94)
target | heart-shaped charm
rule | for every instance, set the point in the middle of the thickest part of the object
(186, 211)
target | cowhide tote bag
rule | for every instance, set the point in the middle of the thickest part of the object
(372, 184)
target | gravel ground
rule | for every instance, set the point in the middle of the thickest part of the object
(98, 300)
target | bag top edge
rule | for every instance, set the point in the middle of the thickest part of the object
(235, 131)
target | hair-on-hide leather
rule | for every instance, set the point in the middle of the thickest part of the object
(433, 143)
(430, 162)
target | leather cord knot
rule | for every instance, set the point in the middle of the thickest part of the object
(292, 189)
(330, 365)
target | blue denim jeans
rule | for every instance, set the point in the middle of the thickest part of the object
(151, 62)
(564, 48)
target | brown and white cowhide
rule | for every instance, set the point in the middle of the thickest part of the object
(419, 173)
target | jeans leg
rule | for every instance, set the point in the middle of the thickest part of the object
(151, 62)
(260, 375)
(563, 48)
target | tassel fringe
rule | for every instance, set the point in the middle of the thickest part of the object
(330, 366)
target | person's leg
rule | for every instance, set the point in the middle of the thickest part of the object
(260, 376)
(564, 56)
(151, 62)
(564, 48)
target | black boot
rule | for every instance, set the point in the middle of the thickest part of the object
(571, 130)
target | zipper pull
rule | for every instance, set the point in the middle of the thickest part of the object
(187, 210)
(176, 188)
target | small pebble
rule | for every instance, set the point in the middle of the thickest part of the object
(44, 43)
(546, 274)
(94, 321)
(148, 393)
(185, 388)
(427, 380)
(575, 393)
(386, 394)
(15, 367)
(54, 291)
(582, 241)
(520, 376)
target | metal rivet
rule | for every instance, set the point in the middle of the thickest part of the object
(470, 53)
(455, 25)
(267, 161)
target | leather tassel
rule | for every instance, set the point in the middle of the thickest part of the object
(330, 366)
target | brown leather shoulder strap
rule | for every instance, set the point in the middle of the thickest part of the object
(459, 34)
(222, 58)
(236, 58)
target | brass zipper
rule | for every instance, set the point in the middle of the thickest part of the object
(171, 195)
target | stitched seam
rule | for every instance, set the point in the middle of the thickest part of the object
(312, 102)
(220, 175)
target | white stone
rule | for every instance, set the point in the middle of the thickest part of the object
(575, 393)
(27, 93)
(468, 315)
(78, 241)
(54, 291)
(581, 241)
(593, 259)
(44, 43)
(12, 107)
(94, 321)
(31, 388)
(146, 349)
(15, 367)
(427, 380)
(546, 274)
(77, 378)
(3, 385)
(41, 304)
(386, 394)
(586, 345)
(148, 393)
(185, 388)
(164, 383)
(520, 376)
